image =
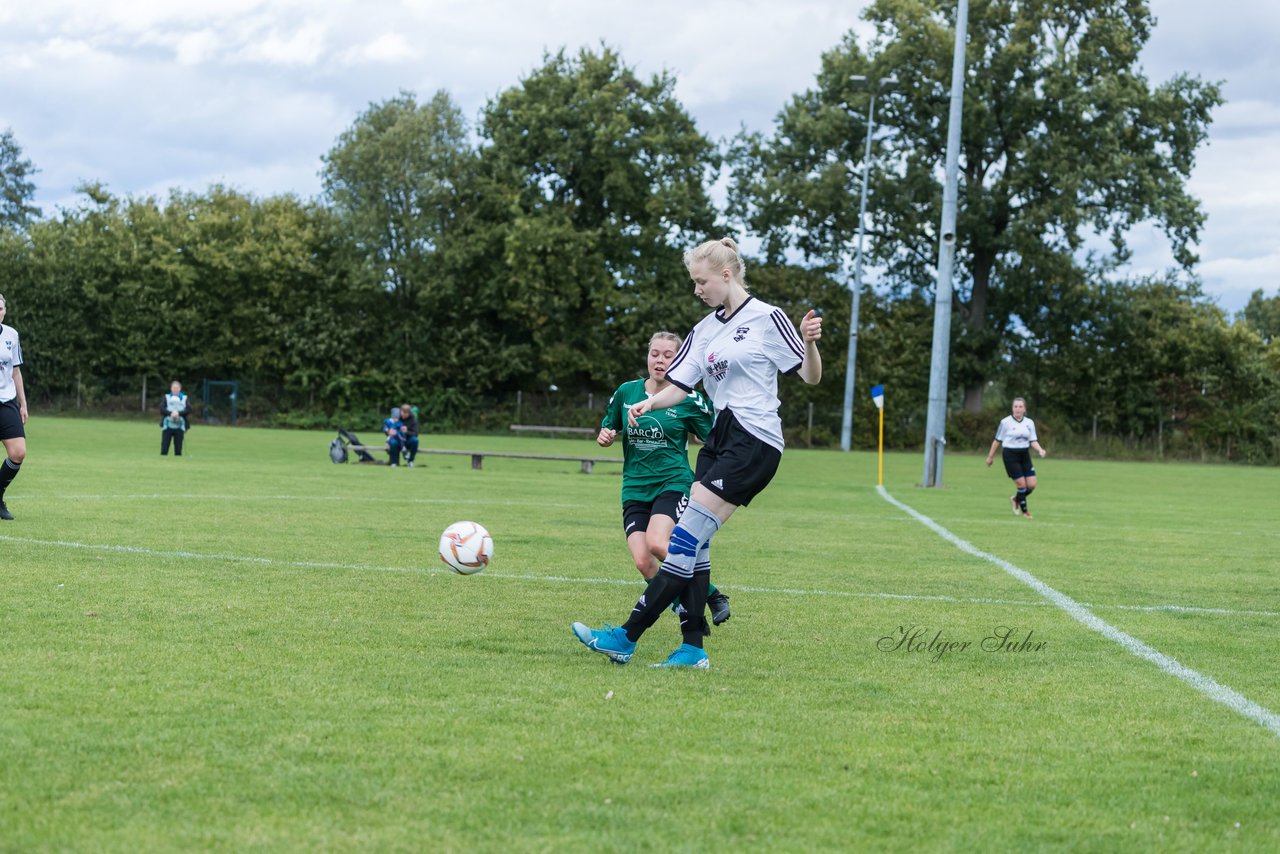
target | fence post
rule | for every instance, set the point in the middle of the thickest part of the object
(144, 392)
(811, 424)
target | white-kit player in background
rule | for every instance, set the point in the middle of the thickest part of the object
(736, 352)
(13, 408)
(1017, 434)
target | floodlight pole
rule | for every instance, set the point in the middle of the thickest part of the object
(936, 422)
(885, 84)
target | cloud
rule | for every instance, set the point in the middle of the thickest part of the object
(197, 47)
(388, 47)
(301, 46)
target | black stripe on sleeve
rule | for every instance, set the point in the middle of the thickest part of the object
(684, 350)
(788, 332)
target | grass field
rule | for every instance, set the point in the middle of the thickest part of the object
(252, 648)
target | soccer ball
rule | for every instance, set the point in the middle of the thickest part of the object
(466, 547)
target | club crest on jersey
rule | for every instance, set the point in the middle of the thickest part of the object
(741, 332)
(717, 368)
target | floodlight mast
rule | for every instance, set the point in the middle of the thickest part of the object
(859, 84)
(935, 434)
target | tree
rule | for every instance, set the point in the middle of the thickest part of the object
(215, 284)
(1262, 314)
(1151, 359)
(399, 178)
(894, 335)
(16, 187)
(395, 176)
(1064, 141)
(602, 177)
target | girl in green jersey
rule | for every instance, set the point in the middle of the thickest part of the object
(655, 475)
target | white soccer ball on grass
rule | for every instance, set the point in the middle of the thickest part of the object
(466, 547)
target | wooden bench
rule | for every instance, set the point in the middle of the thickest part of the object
(533, 428)
(477, 457)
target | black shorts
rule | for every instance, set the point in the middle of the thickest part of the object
(1017, 463)
(636, 514)
(735, 464)
(11, 421)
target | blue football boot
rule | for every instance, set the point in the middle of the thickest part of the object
(609, 641)
(687, 656)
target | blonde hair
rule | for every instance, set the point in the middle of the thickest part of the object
(721, 254)
(665, 336)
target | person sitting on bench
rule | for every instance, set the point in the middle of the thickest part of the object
(409, 433)
(391, 427)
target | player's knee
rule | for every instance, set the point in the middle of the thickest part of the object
(18, 455)
(658, 549)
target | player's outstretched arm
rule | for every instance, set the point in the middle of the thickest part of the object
(811, 330)
(665, 399)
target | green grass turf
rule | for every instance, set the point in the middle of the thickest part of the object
(252, 648)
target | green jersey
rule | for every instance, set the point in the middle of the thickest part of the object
(656, 451)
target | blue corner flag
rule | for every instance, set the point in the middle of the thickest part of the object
(877, 395)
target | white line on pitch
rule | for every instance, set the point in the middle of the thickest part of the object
(631, 582)
(241, 499)
(264, 561)
(1212, 689)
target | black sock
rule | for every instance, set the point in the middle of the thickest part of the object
(693, 622)
(663, 589)
(8, 471)
(1022, 498)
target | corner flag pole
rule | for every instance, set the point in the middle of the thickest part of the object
(877, 397)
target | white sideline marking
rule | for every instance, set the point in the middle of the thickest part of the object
(624, 582)
(135, 550)
(198, 496)
(1212, 689)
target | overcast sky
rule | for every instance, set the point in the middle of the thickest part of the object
(151, 95)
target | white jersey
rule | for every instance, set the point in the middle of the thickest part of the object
(737, 359)
(1016, 434)
(10, 358)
